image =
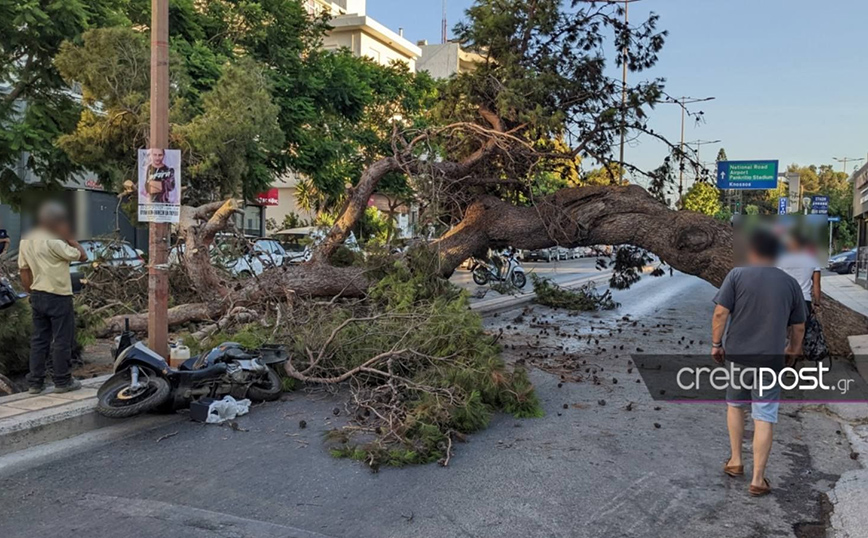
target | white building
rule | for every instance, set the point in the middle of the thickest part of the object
(354, 30)
(446, 60)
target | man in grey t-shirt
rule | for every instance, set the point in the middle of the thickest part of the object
(761, 303)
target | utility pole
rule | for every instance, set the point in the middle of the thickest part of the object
(623, 95)
(683, 102)
(158, 242)
(846, 160)
(444, 30)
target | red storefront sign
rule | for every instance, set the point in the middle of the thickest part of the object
(268, 198)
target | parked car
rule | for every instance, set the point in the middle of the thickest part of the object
(270, 251)
(225, 255)
(544, 254)
(300, 242)
(114, 253)
(843, 263)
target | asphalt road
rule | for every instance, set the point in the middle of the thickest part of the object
(587, 470)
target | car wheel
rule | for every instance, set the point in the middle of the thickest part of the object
(852, 269)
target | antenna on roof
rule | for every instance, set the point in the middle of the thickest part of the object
(444, 37)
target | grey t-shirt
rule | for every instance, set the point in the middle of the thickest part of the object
(763, 302)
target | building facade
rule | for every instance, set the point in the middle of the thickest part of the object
(354, 30)
(446, 60)
(860, 214)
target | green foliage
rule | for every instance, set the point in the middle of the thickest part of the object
(252, 95)
(449, 385)
(702, 198)
(15, 329)
(31, 33)
(583, 299)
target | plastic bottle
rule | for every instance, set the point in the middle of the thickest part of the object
(179, 354)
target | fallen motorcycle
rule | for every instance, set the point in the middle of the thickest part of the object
(144, 381)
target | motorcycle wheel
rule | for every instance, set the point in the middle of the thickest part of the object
(480, 277)
(268, 389)
(519, 280)
(118, 401)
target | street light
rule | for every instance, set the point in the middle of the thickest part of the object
(846, 160)
(700, 143)
(683, 102)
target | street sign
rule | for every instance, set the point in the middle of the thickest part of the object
(834, 219)
(747, 175)
(782, 206)
(820, 205)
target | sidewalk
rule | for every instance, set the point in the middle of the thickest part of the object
(844, 289)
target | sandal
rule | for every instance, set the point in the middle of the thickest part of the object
(733, 470)
(759, 492)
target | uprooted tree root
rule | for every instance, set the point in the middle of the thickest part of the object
(583, 299)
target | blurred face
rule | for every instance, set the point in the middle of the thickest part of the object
(157, 156)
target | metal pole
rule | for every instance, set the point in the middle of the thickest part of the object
(158, 245)
(681, 157)
(831, 227)
(623, 96)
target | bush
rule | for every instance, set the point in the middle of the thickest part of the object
(15, 330)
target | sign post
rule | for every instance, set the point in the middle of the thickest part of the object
(747, 175)
(158, 242)
(832, 221)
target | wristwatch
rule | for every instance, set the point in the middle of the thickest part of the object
(717, 345)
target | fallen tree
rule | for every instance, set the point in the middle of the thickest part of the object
(584, 216)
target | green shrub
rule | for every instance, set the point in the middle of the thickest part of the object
(15, 329)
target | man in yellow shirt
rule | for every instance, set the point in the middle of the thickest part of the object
(44, 257)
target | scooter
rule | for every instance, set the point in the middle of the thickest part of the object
(144, 381)
(512, 271)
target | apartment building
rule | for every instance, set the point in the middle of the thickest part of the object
(354, 30)
(446, 60)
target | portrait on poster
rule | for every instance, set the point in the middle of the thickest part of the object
(159, 185)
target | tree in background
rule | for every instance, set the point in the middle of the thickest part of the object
(823, 180)
(38, 106)
(703, 198)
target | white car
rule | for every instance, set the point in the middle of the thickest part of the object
(300, 242)
(244, 266)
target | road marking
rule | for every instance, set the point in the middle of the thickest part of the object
(218, 523)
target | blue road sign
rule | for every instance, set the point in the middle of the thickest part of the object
(834, 219)
(820, 205)
(747, 175)
(782, 206)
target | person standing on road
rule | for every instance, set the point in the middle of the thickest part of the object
(44, 258)
(800, 263)
(762, 304)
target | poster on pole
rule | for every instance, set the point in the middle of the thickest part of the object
(159, 185)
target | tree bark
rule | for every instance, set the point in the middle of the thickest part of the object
(612, 215)
(584, 216)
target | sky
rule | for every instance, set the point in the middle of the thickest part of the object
(789, 77)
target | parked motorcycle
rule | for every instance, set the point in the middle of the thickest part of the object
(144, 381)
(511, 270)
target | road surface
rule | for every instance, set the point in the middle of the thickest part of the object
(585, 471)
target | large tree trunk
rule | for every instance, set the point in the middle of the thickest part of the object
(690, 242)
(584, 216)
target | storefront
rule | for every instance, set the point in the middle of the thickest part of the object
(860, 214)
